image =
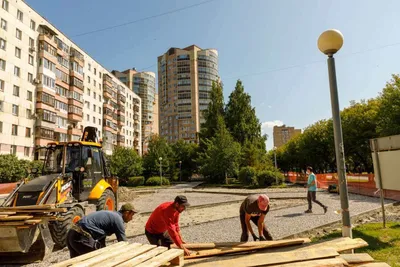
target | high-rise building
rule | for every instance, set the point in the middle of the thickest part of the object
(156, 117)
(185, 77)
(282, 134)
(50, 89)
(143, 84)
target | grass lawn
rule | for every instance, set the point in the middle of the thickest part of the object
(240, 186)
(142, 187)
(384, 243)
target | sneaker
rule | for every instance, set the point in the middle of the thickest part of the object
(325, 209)
(308, 211)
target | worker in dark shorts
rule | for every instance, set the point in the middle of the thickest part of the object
(162, 227)
(90, 232)
(254, 208)
(312, 191)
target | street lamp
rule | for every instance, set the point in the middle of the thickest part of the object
(329, 42)
(276, 165)
(180, 171)
(160, 158)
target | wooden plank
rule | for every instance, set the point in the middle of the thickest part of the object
(16, 218)
(96, 261)
(33, 221)
(40, 211)
(113, 261)
(164, 258)
(33, 207)
(89, 255)
(3, 216)
(143, 257)
(273, 258)
(7, 213)
(340, 244)
(335, 262)
(230, 250)
(357, 258)
(375, 264)
(12, 223)
(244, 244)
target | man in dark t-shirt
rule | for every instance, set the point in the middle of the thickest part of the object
(254, 208)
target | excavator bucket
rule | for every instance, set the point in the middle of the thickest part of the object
(26, 244)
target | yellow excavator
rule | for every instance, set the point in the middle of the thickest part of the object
(74, 175)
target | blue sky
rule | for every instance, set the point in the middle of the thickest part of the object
(269, 45)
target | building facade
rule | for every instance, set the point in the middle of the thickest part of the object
(143, 84)
(185, 77)
(50, 89)
(282, 134)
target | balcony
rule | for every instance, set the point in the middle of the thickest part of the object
(121, 120)
(77, 56)
(121, 99)
(121, 108)
(107, 92)
(74, 131)
(75, 113)
(136, 118)
(120, 138)
(107, 80)
(44, 133)
(136, 108)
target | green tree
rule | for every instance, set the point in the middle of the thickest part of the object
(187, 153)
(158, 147)
(389, 111)
(125, 162)
(221, 156)
(241, 119)
(11, 169)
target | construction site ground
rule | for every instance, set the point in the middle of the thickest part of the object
(213, 216)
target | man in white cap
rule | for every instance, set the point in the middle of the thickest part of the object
(254, 208)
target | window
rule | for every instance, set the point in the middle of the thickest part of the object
(2, 64)
(77, 68)
(99, 122)
(87, 117)
(3, 24)
(94, 71)
(48, 64)
(27, 132)
(1, 105)
(100, 86)
(94, 120)
(1, 127)
(94, 107)
(1, 85)
(46, 98)
(87, 104)
(31, 42)
(64, 62)
(29, 95)
(15, 110)
(61, 106)
(99, 110)
(61, 91)
(100, 98)
(33, 25)
(17, 71)
(88, 79)
(30, 77)
(20, 15)
(100, 75)
(88, 92)
(30, 60)
(18, 52)
(4, 5)
(3, 44)
(18, 34)
(94, 95)
(16, 90)
(28, 113)
(26, 151)
(94, 82)
(13, 150)
(47, 81)
(49, 116)
(89, 66)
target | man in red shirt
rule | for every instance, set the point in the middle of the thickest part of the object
(162, 228)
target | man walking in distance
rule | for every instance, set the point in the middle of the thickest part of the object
(90, 232)
(254, 208)
(312, 191)
(162, 227)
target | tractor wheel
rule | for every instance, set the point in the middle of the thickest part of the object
(59, 229)
(106, 201)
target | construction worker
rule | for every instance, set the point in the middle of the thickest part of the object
(90, 232)
(312, 191)
(254, 208)
(162, 227)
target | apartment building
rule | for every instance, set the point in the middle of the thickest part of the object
(185, 77)
(50, 89)
(282, 134)
(142, 84)
(156, 126)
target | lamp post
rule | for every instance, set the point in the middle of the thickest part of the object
(276, 165)
(180, 171)
(160, 158)
(329, 42)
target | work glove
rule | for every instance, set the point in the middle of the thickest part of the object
(255, 237)
(262, 238)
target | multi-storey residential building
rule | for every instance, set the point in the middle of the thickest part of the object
(143, 84)
(156, 126)
(50, 88)
(185, 77)
(282, 134)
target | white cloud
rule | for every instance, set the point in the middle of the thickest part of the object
(269, 125)
(269, 106)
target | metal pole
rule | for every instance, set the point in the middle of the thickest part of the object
(180, 171)
(378, 165)
(160, 172)
(339, 149)
(276, 167)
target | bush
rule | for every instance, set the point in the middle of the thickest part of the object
(231, 180)
(135, 181)
(155, 180)
(268, 177)
(248, 176)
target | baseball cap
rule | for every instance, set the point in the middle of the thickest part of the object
(129, 207)
(263, 202)
(182, 200)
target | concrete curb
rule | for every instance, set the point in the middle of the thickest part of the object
(247, 194)
(353, 218)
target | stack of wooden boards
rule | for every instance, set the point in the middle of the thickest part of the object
(27, 215)
(123, 254)
(285, 253)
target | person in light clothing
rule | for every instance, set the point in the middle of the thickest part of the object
(312, 191)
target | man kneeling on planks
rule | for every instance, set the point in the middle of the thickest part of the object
(90, 232)
(162, 227)
(254, 208)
